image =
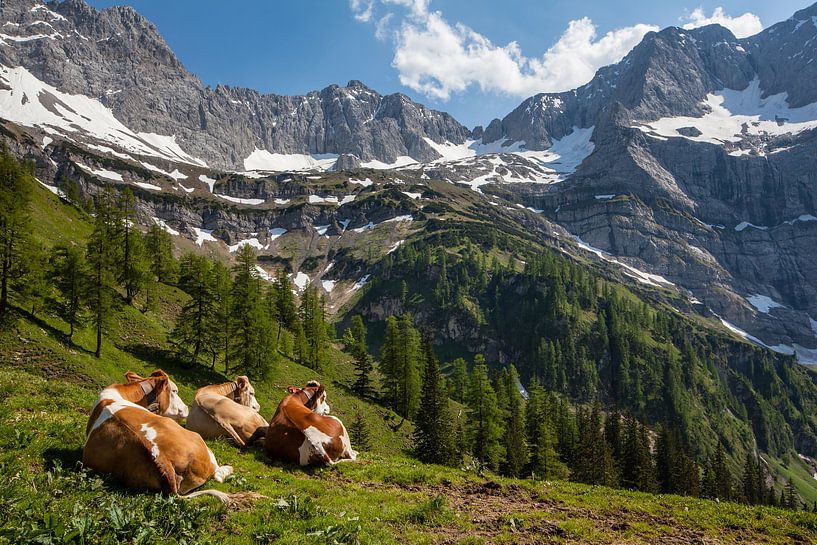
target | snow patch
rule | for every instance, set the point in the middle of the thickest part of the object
(165, 227)
(101, 173)
(239, 200)
(735, 114)
(261, 159)
(301, 280)
(365, 183)
(207, 180)
(204, 235)
(763, 303)
(27, 101)
(149, 187)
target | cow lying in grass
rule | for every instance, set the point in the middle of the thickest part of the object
(132, 436)
(302, 432)
(227, 410)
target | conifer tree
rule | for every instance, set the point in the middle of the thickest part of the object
(15, 216)
(287, 309)
(192, 333)
(314, 326)
(459, 380)
(400, 361)
(516, 448)
(134, 266)
(434, 433)
(359, 433)
(69, 271)
(389, 366)
(220, 327)
(484, 426)
(32, 280)
(638, 472)
(355, 339)
(159, 249)
(544, 462)
(102, 255)
(254, 349)
(592, 462)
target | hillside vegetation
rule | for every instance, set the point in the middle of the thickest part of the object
(48, 385)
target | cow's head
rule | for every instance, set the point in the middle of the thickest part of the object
(313, 396)
(246, 393)
(165, 392)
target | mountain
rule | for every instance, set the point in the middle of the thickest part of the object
(702, 170)
(79, 50)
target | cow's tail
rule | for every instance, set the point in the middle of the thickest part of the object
(237, 500)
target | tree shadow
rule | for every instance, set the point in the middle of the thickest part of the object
(167, 360)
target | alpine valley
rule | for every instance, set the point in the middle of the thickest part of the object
(645, 244)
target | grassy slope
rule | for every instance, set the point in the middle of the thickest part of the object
(46, 390)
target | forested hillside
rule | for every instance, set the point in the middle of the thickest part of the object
(91, 295)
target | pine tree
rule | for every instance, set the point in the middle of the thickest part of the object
(314, 326)
(69, 271)
(134, 266)
(389, 366)
(15, 216)
(355, 340)
(434, 432)
(102, 255)
(459, 380)
(32, 281)
(722, 476)
(400, 365)
(359, 433)
(544, 462)
(484, 425)
(638, 472)
(516, 448)
(220, 327)
(287, 310)
(253, 350)
(192, 333)
(592, 461)
(159, 249)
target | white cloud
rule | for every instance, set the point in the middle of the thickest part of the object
(437, 58)
(362, 9)
(741, 26)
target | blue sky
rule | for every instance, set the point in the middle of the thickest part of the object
(452, 55)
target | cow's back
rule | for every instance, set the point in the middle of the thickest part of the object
(148, 451)
(114, 448)
(222, 417)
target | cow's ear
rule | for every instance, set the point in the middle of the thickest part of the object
(321, 389)
(159, 373)
(293, 390)
(130, 376)
(242, 382)
(159, 383)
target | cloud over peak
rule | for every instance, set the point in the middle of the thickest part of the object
(438, 58)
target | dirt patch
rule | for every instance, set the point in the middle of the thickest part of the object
(490, 510)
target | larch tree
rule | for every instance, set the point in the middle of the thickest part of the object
(102, 255)
(69, 271)
(15, 218)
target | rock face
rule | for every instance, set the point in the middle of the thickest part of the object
(79, 50)
(704, 169)
(694, 158)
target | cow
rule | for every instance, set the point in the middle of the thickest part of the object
(133, 435)
(227, 410)
(302, 432)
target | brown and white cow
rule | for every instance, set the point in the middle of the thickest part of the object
(302, 431)
(132, 435)
(227, 410)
